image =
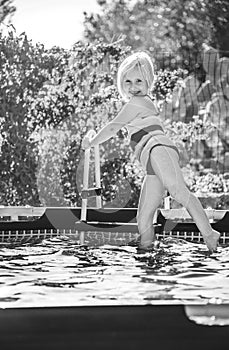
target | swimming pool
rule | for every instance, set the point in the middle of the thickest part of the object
(56, 293)
(58, 272)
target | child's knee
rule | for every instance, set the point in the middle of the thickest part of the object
(179, 192)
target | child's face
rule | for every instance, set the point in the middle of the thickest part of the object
(134, 83)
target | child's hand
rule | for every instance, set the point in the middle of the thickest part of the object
(86, 142)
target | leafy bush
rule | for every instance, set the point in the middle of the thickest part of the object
(24, 69)
(206, 183)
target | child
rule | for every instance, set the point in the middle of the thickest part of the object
(155, 151)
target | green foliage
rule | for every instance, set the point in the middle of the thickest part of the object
(189, 133)
(165, 83)
(218, 13)
(24, 69)
(6, 10)
(80, 98)
(50, 99)
(121, 183)
(208, 101)
(206, 183)
(171, 30)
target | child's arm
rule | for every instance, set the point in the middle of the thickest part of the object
(127, 113)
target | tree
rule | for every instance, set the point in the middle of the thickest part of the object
(24, 69)
(6, 9)
(218, 12)
(172, 30)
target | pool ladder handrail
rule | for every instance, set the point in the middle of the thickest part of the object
(93, 191)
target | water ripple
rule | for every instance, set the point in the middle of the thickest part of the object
(58, 272)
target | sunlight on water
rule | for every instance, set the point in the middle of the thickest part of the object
(57, 272)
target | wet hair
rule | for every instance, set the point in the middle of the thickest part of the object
(138, 59)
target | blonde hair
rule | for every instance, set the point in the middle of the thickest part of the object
(138, 59)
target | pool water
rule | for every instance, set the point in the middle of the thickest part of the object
(58, 272)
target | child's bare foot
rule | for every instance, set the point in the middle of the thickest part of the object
(212, 240)
(147, 248)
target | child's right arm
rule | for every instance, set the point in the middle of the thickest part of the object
(127, 113)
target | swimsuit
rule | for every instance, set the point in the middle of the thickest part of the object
(143, 142)
(145, 133)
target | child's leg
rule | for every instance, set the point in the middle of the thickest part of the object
(165, 164)
(151, 196)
